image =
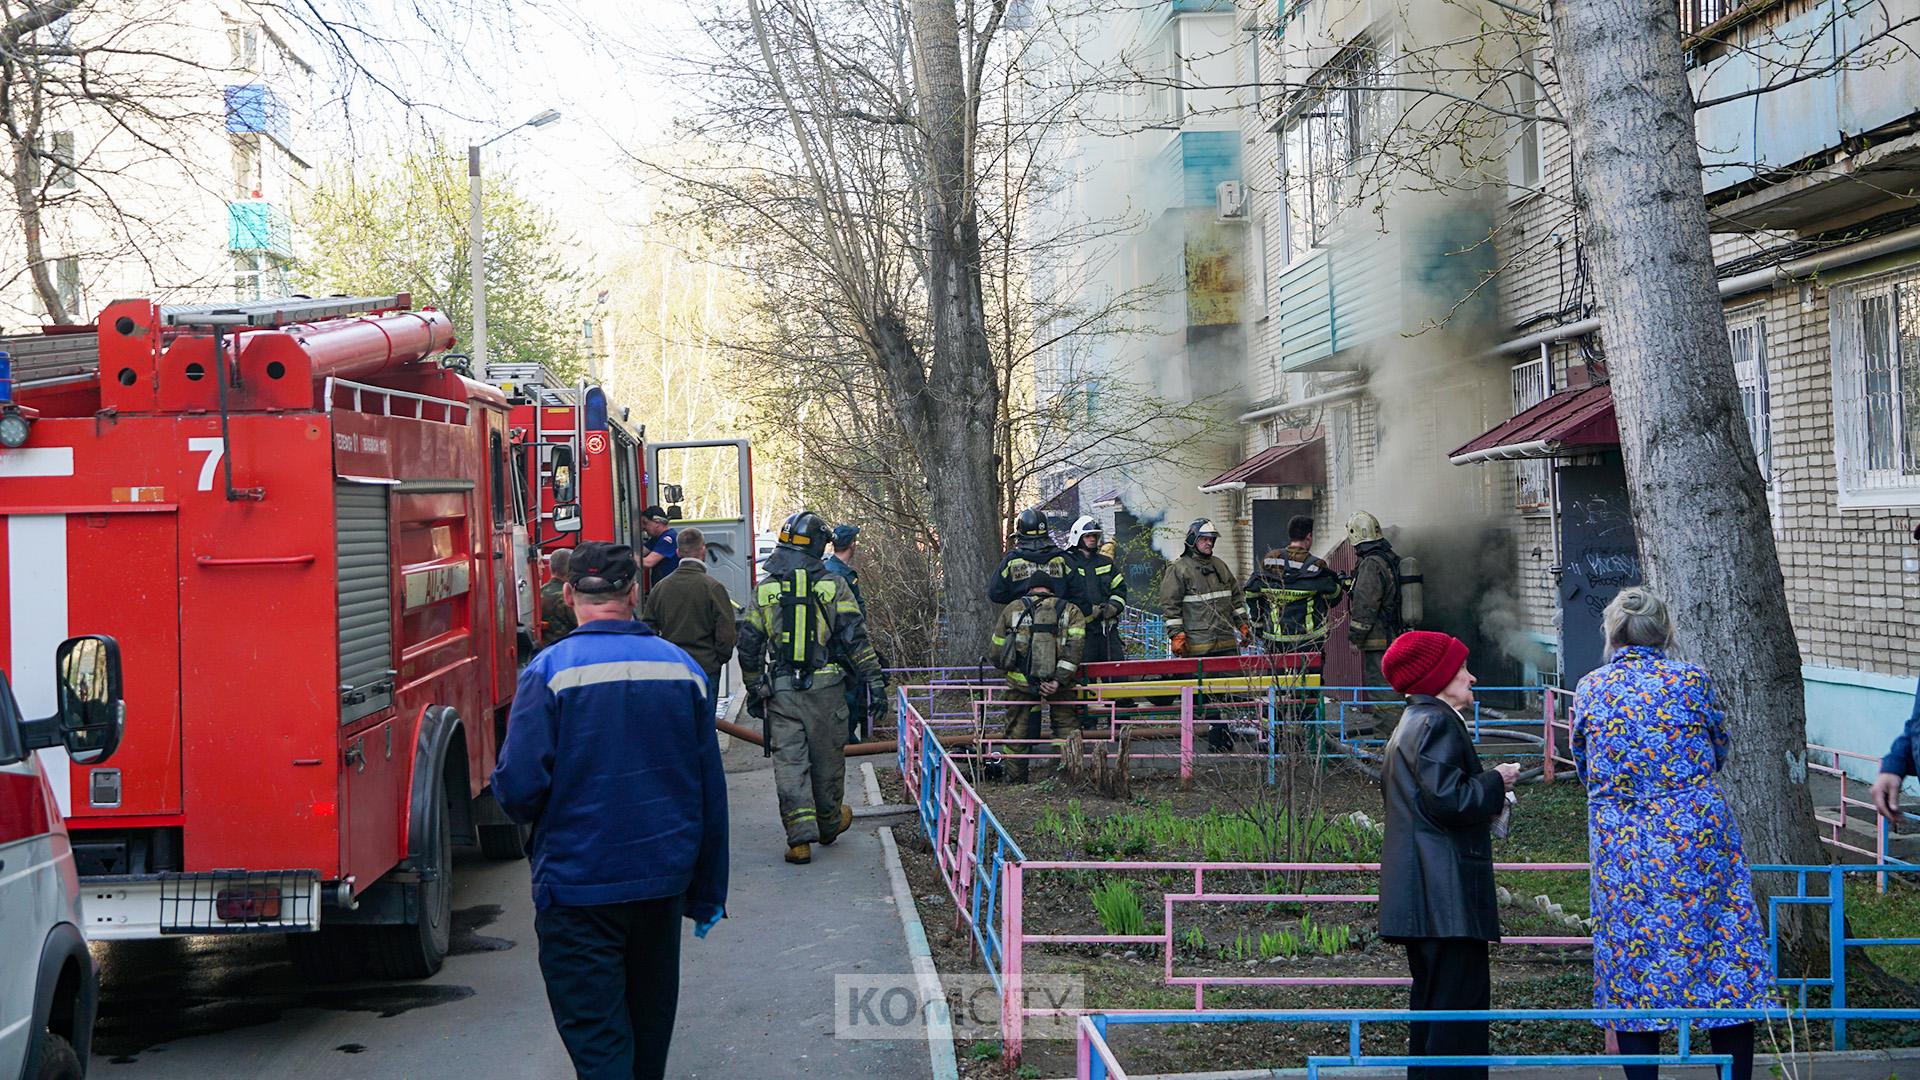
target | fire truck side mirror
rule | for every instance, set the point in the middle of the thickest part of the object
(566, 517)
(560, 464)
(92, 707)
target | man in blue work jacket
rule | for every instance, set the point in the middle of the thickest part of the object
(611, 758)
(1902, 761)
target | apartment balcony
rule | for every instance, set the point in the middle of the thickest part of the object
(1817, 152)
(255, 225)
(1366, 292)
(255, 108)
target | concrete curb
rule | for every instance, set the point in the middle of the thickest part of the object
(940, 1052)
(872, 783)
(1761, 1066)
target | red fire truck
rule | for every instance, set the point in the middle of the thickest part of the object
(301, 526)
(591, 472)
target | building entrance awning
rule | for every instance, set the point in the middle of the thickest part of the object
(1299, 457)
(1569, 422)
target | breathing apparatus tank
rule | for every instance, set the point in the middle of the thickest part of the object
(1412, 603)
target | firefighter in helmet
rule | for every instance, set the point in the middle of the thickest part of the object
(1098, 588)
(1204, 606)
(1033, 547)
(800, 640)
(1374, 618)
(1039, 642)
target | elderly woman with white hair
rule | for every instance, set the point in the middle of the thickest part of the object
(1674, 921)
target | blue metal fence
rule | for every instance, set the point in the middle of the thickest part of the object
(1097, 1060)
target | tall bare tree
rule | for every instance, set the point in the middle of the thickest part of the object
(1699, 503)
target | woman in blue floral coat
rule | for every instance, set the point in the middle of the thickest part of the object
(1674, 921)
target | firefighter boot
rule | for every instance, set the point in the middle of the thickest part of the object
(843, 823)
(800, 854)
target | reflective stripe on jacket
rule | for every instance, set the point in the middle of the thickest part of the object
(1200, 598)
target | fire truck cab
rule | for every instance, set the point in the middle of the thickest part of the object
(302, 526)
(590, 473)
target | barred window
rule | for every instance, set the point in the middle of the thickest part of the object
(1530, 478)
(1747, 335)
(1875, 327)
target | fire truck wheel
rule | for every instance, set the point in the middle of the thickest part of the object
(415, 951)
(57, 1059)
(503, 843)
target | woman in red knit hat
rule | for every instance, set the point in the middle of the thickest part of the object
(1437, 893)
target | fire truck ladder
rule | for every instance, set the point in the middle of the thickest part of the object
(73, 353)
(284, 311)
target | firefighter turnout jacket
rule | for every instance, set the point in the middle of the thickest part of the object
(1010, 578)
(1291, 594)
(1373, 619)
(1039, 638)
(805, 622)
(1200, 598)
(1096, 585)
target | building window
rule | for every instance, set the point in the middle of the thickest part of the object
(1340, 448)
(1875, 327)
(1531, 480)
(53, 158)
(1257, 267)
(1523, 160)
(1747, 335)
(66, 283)
(1337, 121)
(245, 44)
(248, 177)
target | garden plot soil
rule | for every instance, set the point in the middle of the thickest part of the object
(1052, 819)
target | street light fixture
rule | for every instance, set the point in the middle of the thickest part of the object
(476, 237)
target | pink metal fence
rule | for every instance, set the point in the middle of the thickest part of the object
(988, 877)
(1830, 761)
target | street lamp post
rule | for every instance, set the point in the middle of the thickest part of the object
(477, 237)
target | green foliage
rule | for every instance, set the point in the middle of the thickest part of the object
(400, 225)
(1118, 905)
(1193, 939)
(982, 1050)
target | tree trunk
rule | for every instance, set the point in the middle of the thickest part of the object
(1699, 504)
(957, 408)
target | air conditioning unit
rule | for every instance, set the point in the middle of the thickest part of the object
(1231, 199)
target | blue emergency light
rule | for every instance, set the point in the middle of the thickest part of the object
(596, 419)
(15, 425)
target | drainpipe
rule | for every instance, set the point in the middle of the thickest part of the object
(1771, 277)
(1345, 393)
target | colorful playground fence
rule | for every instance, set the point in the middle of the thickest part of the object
(986, 874)
(1096, 1059)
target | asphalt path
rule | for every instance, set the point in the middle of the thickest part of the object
(756, 996)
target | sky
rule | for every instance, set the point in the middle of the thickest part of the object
(602, 63)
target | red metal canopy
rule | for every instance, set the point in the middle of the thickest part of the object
(1298, 457)
(1566, 422)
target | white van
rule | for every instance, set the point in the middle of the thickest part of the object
(49, 992)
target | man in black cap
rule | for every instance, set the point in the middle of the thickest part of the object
(610, 756)
(663, 545)
(838, 552)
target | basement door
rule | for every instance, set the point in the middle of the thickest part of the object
(1599, 556)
